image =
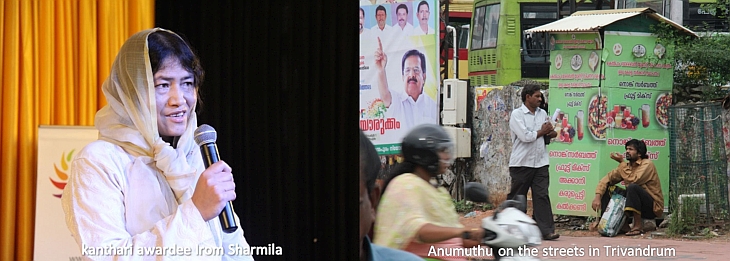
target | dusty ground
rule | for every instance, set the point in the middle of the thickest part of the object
(573, 226)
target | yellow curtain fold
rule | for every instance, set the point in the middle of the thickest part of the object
(54, 56)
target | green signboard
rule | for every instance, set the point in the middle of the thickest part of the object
(644, 118)
(575, 41)
(637, 61)
(592, 122)
(575, 60)
(575, 155)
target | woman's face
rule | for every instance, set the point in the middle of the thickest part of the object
(175, 95)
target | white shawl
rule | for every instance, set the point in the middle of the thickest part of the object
(130, 118)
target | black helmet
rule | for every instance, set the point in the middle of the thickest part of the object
(421, 146)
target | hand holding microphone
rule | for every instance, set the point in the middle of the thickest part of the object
(215, 188)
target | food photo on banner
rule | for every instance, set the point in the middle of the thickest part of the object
(399, 77)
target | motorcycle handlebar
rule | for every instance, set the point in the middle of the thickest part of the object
(511, 203)
(489, 235)
(519, 202)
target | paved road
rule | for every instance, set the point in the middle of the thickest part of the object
(624, 248)
(627, 248)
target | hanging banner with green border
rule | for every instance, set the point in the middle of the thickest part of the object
(399, 70)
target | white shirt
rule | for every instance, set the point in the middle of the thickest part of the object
(366, 44)
(418, 31)
(365, 34)
(412, 113)
(109, 201)
(527, 149)
(400, 33)
(399, 38)
(384, 34)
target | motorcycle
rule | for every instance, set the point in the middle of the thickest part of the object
(510, 232)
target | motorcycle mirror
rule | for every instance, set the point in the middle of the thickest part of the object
(476, 192)
(523, 203)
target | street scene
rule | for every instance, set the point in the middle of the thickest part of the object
(590, 130)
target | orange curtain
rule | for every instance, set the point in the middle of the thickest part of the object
(54, 56)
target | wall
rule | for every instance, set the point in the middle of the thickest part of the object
(491, 126)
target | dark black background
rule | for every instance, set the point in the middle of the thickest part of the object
(281, 90)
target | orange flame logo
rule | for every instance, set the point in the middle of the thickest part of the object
(61, 173)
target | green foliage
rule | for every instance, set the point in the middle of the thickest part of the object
(724, 215)
(684, 220)
(697, 170)
(677, 229)
(487, 206)
(719, 8)
(465, 206)
(701, 63)
(590, 219)
(707, 232)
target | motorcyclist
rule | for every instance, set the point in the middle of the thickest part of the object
(415, 213)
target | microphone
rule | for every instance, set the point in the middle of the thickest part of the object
(205, 137)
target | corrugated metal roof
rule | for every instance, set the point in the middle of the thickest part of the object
(591, 21)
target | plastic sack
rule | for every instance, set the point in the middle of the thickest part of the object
(614, 217)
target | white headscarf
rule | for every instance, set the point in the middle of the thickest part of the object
(130, 118)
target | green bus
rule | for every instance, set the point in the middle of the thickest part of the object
(500, 53)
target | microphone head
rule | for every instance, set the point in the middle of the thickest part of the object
(205, 134)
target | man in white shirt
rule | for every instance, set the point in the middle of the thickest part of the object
(423, 13)
(366, 49)
(363, 30)
(381, 29)
(403, 28)
(529, 162)
(413, 107)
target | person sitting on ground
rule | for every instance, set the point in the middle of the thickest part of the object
(644, 197)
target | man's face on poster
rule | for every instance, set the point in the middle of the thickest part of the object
(402, 15)
(413, 76)
(423, 14)
(362, 20)
(380, 17)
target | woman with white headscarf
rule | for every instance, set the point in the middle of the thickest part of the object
(141, 190)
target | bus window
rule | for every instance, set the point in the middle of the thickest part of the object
(535, 48)
(703, 20)
(464, 37)
(491, 23)
(536, 45)
(476, 37)
(486, 22)
(656, 5)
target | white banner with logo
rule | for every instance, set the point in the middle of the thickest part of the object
(57, 146)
